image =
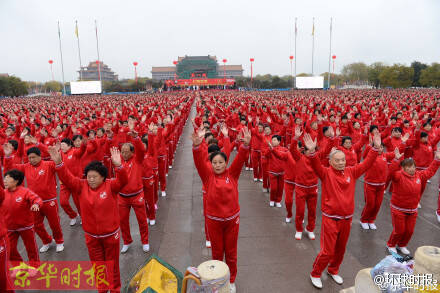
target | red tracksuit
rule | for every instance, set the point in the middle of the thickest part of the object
(162, 159)
(374, 186)
(72, 160)
(222, 206)
(337, 204)
(276, 172)
(41, 180)
(404, 200)
(150, 161)
(100, 217)
(20, 221)
(132, 195)
(289, 183)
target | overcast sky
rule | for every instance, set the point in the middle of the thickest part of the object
(154, 33)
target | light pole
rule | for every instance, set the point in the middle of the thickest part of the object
(51, 69)
(334, 58)
(135, 71)
(175, 72)
(291, 67)
(252, 61)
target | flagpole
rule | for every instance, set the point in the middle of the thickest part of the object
(313, 42)
(79, 51)
(295, 57)
(61, 53)
(330, 52)
(97, 50)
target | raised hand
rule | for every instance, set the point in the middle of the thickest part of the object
(224, 130)
(196, 139)
(246, 136)
(309, 143)
(116, 156)
(8, 149)
(298, 132)
(54, 154)
(405, 137)
(338, 131)
(377, 141)
(397, 154)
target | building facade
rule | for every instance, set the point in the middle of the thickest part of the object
(91, 72)
(196, 67)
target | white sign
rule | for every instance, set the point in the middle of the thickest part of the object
(309, 82)
(85, 87)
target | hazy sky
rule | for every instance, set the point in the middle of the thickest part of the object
(154, 33)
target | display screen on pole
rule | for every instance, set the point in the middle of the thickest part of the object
(309, 82)
(85, 87)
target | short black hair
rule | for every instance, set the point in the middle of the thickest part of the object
(398, 129)
(145, 139)
(423, 134)
(427, 123)
(16, 175)
(90, 131)
(67, 141)
(373, 127)
(214, 154)
(208, 134)
(76, 136)
(213, 148)
(344, 139)
(98, 167)
(14, 143)
(34, 150)
(277, 137)
(324, 129)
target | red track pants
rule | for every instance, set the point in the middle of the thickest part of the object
(403, 228)
(303, 196)
(256, 164)
(29, 242)
(136, 202)
(334, 237)
(288, 191)
(156, 184)
(106, 249)
(224, 238)
(65, 204)
(50, 211)
(149, 197)
(4, 273)
(373, 195)
(265, 165)
(163, 167)
(276, 187)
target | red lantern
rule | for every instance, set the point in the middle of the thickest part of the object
(50, 61)
(97, 61)
(291, 57)
(334, 57)
(252, 59)
(204, 74)
(175, 62)
(224, 60)
(135, 63)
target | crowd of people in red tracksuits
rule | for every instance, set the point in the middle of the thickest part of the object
(291, 141)
(112, 154)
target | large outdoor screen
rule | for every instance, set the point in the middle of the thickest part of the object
(312, 82)
(85, 87)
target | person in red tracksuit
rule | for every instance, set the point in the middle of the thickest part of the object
(374, 187)
(18, 205)
(40, 177)
(289, 184)
(222, 205)
(132, 194)
(71, 157)
(98, 198)
(150, 160)
(256, 153)
(4, 246)
(337, 204)
(162, 157)
(407, 191)
(276, 170)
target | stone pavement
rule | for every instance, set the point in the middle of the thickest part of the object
(269, 258)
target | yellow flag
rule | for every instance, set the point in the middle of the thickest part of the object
(76, 30)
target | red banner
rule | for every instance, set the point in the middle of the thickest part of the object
(201, 82)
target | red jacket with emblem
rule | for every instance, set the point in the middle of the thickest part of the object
(134, 170)
(17, 207)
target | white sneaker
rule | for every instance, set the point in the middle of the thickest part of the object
(338, 279)
(247, 168)
(146, 247)
(288, 220)
(208, 244)
(232, 288)
(255, 179)
(155, 207)
(429, 181)
(166, 175)
(80, 221)
(125, 248)
(251, 169)
(271, 203)
(438, 217)
(164, 193)
(152, 222)
(278, 204)
(170, 167)
(264, 189)
(404, 250)
(60, 247)
(46, 247)
(419, 206)
(311, 235)
(392, 250)
(365, 226)
(316, 282)
(261, 180)
(298, 235)
(72, 222)
(372, 226)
